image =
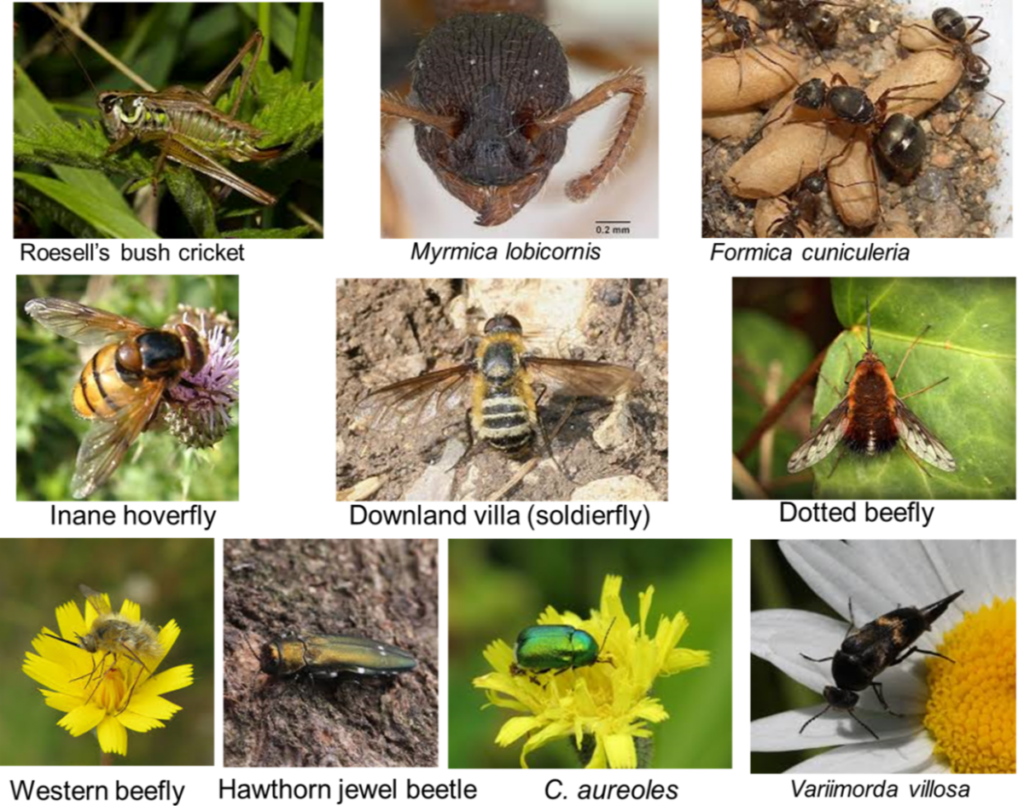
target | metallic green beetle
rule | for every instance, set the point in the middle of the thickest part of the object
(544, 647)
(326, 656)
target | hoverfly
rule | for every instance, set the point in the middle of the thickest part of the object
(121, 387)
(872, 418)
(497, 386)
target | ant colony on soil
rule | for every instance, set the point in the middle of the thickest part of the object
(836, 119)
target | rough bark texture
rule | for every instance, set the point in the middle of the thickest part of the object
(383, 589)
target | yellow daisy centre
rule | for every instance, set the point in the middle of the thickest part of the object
(972, 703)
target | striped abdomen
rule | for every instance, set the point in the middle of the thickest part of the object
(101, 392)
(506, 420)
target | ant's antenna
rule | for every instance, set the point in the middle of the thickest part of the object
(867, 302)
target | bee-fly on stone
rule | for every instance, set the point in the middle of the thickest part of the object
(867, 652)
(872, 419)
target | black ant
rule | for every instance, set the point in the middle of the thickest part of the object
(812, 18)
(952, 29)
(740, 27)
(803, 205)
(899, 138)
(801, 208)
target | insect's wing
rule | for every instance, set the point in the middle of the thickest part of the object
(415, 401)
(99, 602)
(822, 441)
(80, 322)
(582, 378)
(108, 440)
(920, 441)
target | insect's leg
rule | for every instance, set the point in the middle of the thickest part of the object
(853, 622)
(632, 84)
(862, 724)
(975, 27)
(99, 681)
(117, 145)
(216, 85)
(877, 688)
(815, 660)
(925, 389)
(906, 355)
(839, 459)
(914, 649)
(822, 712)
(161, 161)
(138, 677)
(91, 673)
(853, 364)
(544, 431)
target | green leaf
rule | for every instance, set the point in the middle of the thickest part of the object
(194, 202)
(294, 232)
(107, 221)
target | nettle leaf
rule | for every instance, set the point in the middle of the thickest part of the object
(80, 146)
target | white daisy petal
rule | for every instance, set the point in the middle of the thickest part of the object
(935, 767)
(781, 732)
(999, 559)
(906, 755)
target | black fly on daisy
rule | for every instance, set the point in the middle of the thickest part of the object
(872, 418)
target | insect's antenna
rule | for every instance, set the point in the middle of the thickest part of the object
(71, 51)
(605, 641)
(867, 302)
(96, 46)
(255, 654)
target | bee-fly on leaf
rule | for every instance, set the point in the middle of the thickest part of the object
(867, 652)
(872, 419)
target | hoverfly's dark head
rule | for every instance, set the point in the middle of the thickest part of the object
(840, 697)
(503, 323)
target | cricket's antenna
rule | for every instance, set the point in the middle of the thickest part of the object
(71, 52)
(867, 302)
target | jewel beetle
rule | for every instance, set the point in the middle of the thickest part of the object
(326, 656)
(544, 647)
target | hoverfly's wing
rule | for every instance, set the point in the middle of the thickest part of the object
(100, 603)
(415, 401)
(920, 441)
(582, 378)
(108, 440)
(822, 441)
(80, 322)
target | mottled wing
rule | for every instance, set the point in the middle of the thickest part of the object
(920, 441)
(822, 441)
(80, 322)
(582, 378)
(108, 440)
(100, 603)
(414, 401)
